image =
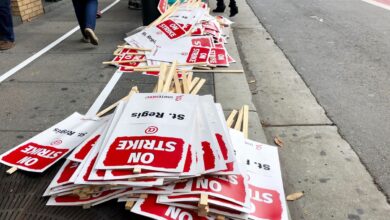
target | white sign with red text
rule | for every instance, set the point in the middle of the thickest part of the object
(43, 150)
(152, 128)
(150, 208)
(262, 166)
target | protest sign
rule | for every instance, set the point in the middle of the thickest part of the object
(43, 150)
(150, 208)
(149, 131)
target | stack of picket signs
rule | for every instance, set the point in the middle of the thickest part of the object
(169, 154)
(185, 32)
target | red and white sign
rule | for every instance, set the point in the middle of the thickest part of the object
(184, 50)
(130, 146)
(74, 200)
(83, 149)
(231, 189)
(198, 55)
(218, 57)
(162, 6)
(264, 176)
(171, 29)
(66, 175)
(46, 148)
(150, 208)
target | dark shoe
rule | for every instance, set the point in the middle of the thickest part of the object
(220, 9)
(91, 36)
(233, 11)
(6, 45)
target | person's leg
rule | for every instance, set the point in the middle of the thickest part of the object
(220, 6)
(90, 20)
(79, 6)
(6, 25)
(91, 7)
(233, 8)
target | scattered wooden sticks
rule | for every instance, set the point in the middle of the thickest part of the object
(123, 62)
(242, 121)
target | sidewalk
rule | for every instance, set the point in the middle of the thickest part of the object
(69, 78)
(315, 158)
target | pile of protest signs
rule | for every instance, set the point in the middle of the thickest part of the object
(185, 32)
(168, 154)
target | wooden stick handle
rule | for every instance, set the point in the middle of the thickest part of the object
(168, 79)
(238, 124)
(133, 48)
(11, 170)
(198, 87)
(109, 108)
(245, 123)
(231, 117)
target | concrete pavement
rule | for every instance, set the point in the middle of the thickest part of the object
(67, 79)
(342, 51)
(315, 158)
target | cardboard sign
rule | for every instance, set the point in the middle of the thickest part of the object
(184, 50)
(267, 198)
(232, 189)
(216, 205)
(152, 128)
(43, 150)
(171, 29)
(264, 178)
(211, 152)
(150, 208)
(74, 200)
(79, 154)
(66, 175)
(198, 55)
(218, 57)
(259, 158)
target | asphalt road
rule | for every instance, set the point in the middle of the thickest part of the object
(341, 48)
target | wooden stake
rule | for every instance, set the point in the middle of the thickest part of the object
(134, 48)
(143, 196)
(203, 205)
(161, 77)
(109, 108)
(137, 170)
(185, 84)
(238, 124)
(168, 79)
(11, 170)
(125, 54)
(231, 117)
(194, 82)
(129, 205)
(245, 123)
(87, 206)
(177, 83)
(123, 62)
(189, 75)
(220, 217)
(198, 87)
